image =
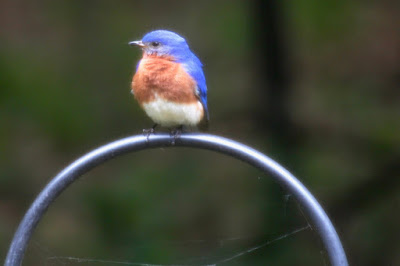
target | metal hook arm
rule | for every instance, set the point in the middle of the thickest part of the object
(313, 209)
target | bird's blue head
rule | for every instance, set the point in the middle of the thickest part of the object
(164, 43)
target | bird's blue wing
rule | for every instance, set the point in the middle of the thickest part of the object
(194, 68)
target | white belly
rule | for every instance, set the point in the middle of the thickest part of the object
(171, 114)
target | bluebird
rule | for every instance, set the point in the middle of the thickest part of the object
(169, 82)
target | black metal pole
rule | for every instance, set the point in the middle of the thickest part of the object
(313, 209)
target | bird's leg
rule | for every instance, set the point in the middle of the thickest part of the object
(147, 132)
(176, 133)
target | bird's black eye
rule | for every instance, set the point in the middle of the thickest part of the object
(155, 44)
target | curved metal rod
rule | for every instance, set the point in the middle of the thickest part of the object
(313, 209)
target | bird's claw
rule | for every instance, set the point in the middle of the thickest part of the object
(148, 131)
(176, 133)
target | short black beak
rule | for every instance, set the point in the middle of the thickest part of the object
(137, 43)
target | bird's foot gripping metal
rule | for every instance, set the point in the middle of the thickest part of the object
(176, 133)
(148, 131)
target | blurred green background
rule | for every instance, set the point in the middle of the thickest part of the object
(313, 84)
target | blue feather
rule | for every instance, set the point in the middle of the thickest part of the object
(176, 46)
(194, 69)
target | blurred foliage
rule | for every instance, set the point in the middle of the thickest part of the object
(65, 71)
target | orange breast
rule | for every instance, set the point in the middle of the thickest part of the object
(164, 77)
